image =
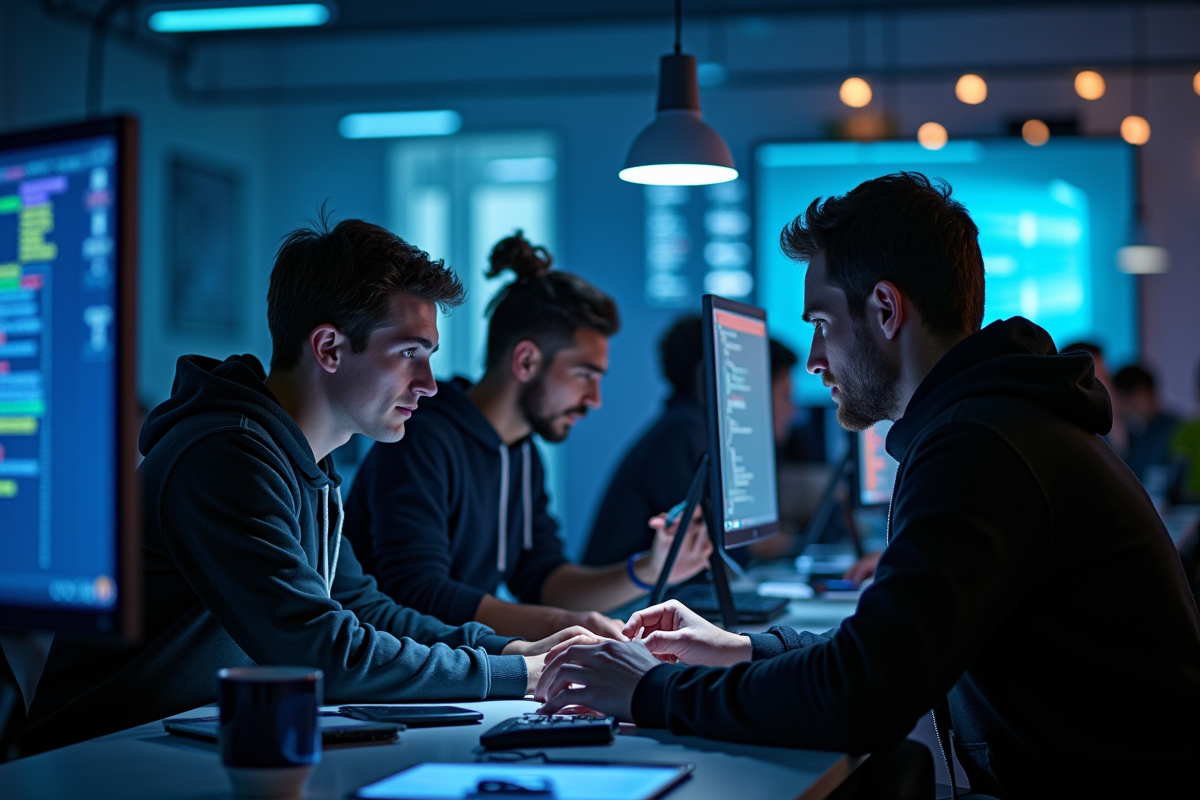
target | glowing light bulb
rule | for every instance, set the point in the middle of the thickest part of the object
(971, 89)
(932, 136)
(855, 92)
(1035, 132)
(1196, 83)
(1135, 129)
(1090, 85)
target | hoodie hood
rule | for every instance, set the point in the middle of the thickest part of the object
(235, 385)
(1011, 358)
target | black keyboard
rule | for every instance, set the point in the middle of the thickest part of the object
(543, 730)
(750, 606)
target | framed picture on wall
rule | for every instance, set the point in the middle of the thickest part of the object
(205, 209)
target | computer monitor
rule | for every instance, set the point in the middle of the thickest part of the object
(70, 529)
(741, 437)
(874, 469)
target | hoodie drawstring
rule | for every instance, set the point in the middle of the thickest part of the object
(502, 541)
(526, 503)
(326, 566)
(527, 494)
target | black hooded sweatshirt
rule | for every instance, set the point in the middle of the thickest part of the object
(443, 516)
(654, 475)
(1027, 576)
(244, 564)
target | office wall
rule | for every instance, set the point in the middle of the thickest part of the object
(42, 82)
(284, 133)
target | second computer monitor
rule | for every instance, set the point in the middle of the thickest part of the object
(740, 427)
(874, 469)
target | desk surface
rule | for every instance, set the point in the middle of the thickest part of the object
(145, 762)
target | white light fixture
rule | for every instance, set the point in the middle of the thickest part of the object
(203, 18)
(678, 148)
(396, 124)
(1143, 259)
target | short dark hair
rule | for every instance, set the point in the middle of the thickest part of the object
(904, 229)
(680, 352)
(783, 358)
(1089, 347)
(1133, 378)
(345, 276)
(543, 305)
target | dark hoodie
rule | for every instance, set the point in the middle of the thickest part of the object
(653, 476)
(1028, 576)
(443, 516)
(244, 564)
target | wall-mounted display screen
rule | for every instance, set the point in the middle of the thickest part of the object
(1050, 220)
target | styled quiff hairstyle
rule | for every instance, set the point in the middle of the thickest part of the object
(345, 276)
(904, 229)
(543, 305)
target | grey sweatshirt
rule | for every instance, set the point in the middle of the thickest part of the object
(244, 563)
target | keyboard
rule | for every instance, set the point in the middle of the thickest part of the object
(751, 607)
(543, 730)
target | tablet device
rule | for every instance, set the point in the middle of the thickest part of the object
(413, 716)
(335, 729)
(561, 781)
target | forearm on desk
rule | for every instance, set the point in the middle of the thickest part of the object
(578, 588)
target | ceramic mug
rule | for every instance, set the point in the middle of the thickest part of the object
(270, 737)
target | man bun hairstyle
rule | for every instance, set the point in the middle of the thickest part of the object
(345, 276)
(544, 305)
(901, 228)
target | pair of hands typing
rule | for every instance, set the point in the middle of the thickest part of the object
(602, 675)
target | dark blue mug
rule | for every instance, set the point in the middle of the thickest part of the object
(270, 737)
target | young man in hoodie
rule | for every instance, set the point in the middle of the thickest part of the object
(244, 560)
(1028, 579)
(443, 517)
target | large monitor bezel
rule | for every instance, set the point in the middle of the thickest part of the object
(745, 536)
(125, 618)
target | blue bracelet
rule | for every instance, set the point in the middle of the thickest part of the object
(645, 587)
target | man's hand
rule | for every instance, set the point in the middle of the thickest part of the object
(593, 621)
(535, 652)
(693, 553)
(863, 568)
(673, 632)
(597, 676)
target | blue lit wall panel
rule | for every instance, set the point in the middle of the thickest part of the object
(1050, 222)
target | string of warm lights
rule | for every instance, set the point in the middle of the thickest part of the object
(972, 89)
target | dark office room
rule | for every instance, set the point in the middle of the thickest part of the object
(682, 399)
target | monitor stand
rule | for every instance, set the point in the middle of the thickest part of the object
(716, 563)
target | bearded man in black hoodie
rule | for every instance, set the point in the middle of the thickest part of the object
(1014, 530)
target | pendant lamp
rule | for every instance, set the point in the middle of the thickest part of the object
(678, 148)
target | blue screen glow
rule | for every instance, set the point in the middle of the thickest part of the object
(1050, 222)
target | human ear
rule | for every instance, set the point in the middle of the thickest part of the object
(326, 342)
(526, 360)
(885, 307)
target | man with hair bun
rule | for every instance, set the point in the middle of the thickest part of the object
(460, 506)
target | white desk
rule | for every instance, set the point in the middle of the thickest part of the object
(145, 762)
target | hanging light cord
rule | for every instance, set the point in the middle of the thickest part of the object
(678, 27)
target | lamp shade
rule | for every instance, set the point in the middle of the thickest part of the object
(678, 148)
